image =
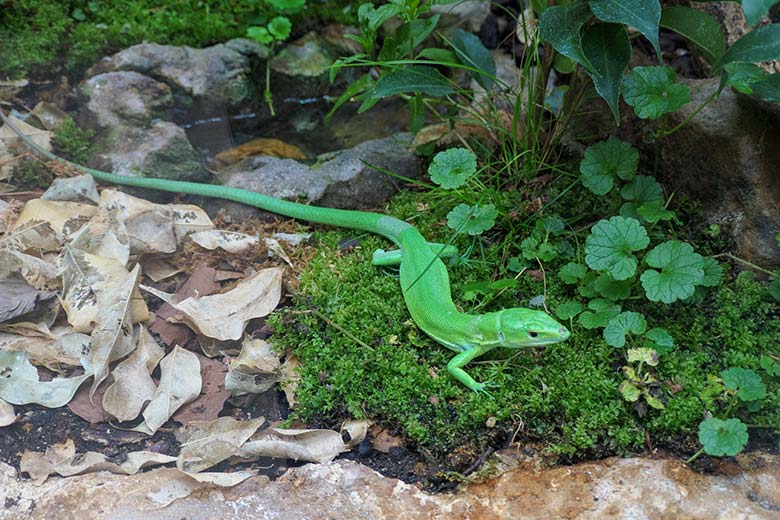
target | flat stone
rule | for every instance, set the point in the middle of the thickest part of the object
(632, 488)
(124, 98)
(338, 180)
(73, 189)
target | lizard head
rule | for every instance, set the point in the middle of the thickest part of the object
(515, 328)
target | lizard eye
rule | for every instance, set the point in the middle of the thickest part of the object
(533, 334)
(501, 336)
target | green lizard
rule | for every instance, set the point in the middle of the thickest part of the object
(424, 280)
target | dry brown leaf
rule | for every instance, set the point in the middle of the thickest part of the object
(207, 443)
(158, 268)
(382, 440)
(162, 486)
(8, 137)
(90, 408)
(63, 460)
(275, 250)
(7, 414)
(255, 370)
(38, 272)
(309, 445)
(356, 430)
(180, 383)
(154, 228)
(290, 378)
(104, 236)
(31, 236)
(21, 383)
(64, 217)
(84, 278)
(201, 282)
(224, 316)
(61, 345)
(133, 385)
(17, 298)
(212, 396)
(112, 338)
(230, 241)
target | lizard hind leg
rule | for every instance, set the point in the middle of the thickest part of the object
(393, 258)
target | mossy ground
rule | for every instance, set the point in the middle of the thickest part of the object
(362, 357)
(42, 38)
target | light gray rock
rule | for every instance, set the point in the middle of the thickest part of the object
(470, 14)
(633, 488)
(208, 80)
(118, 99)
(727, 159)
(338, 179)
(73, 189)
(161, 151)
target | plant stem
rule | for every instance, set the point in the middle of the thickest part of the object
(695, 456)
(664, 133)
(773, 274)
(267, 94)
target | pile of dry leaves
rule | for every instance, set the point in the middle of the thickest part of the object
(76, 269)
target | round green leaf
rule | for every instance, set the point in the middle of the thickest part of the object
(451, 168)
(681, 271)
(604, 160)
(260, 34)
(746, 382)
(660, 340)
(654, 211)
(742, 75)
(612, 289)
(719, 437)
(572, 272)
(568, 309)
(603, 312)
(652, 91)
(642, 189)
(611, 244)
(623, 324)
(712, 273)
(473, 220)
(629, 391)
(644, 355)
(280, 28)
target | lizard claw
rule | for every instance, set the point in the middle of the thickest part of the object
(482, 388)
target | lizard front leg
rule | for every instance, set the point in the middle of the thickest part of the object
(456, 364)
(391, 258)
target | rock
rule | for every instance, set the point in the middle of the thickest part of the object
(726, 158)
(73, 189)
(118, 99)
(161, 151)
(641, 488)
(337, 180)
(300, 70)
(470, 15)
(48, 115)
(204, 81)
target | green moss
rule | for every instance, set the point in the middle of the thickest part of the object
(565, 394)
(71, 142)
(31, 174)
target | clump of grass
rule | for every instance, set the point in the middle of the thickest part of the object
(71, 142)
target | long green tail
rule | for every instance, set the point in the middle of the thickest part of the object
(388, 227)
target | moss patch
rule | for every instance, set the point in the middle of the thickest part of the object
(566, 395)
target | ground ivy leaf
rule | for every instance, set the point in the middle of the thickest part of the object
(642, 189)
(572, 272)
(654, 211)
(719, 437)
(568, 309)
(771, 366)
(453, 167)
(473, 220)
(652, 91)
(712, 273)
(604, 160)
(660, 340)
(610, 245)
(746, 382)
(602, 312)
(681, 271)
(629, 391)
(612, 289)
(773, 288)
(623, 324)
(645, 355)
